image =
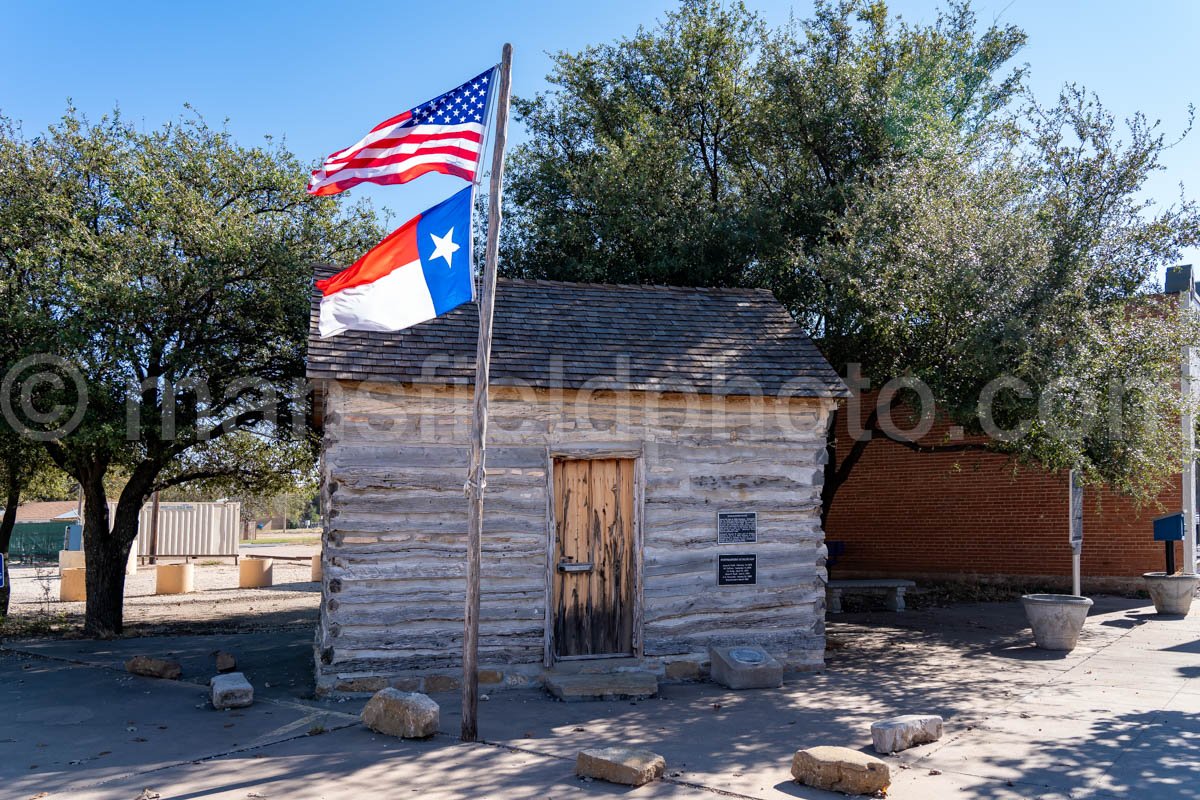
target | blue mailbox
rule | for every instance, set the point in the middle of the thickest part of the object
(1169, 528)
(74, 537)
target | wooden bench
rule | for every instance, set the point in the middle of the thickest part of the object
(894, 588)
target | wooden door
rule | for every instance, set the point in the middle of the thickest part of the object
(595, 562)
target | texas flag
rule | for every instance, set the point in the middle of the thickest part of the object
(420, 271)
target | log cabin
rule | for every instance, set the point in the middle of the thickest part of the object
(654, 466)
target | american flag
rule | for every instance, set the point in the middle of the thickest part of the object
(442, 135)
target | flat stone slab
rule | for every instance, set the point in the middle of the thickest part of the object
(840, 769)
(900, 733)
(230, 690)
(605, 686)
(745, 667)
(154, 668)
(408, 715)
(620, 765)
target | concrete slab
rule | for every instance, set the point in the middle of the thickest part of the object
(586, 687)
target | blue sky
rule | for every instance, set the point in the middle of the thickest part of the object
(320, 76)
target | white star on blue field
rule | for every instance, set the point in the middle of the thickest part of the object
(467, 103)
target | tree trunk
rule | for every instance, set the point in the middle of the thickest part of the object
(837, 473)
(6, 590)
(12, 500)
(107, 553)
(829, 484)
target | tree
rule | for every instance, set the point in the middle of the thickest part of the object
(629, 173)
(899, 192)
(25, 470)
(710, 150)
(170, 293)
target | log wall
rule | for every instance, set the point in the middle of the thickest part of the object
(394, 461)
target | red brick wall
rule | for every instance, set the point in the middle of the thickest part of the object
(971, 513)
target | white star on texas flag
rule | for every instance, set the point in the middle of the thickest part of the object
(444, 247)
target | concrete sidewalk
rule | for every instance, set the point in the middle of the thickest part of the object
(1115, 718)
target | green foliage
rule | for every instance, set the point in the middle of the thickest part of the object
(901, 194)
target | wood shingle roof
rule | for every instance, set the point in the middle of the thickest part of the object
(550, 334)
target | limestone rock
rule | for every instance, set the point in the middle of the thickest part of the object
(408, 715)
(231, 690)
(154, 668)
(745, 668)
(225, 661)
(840, 769)
(620, 765)
(900, 733)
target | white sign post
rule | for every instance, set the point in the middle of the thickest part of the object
(1188, 389)
(1075, 512)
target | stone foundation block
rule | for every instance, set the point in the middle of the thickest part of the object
(361, 684)
(442, 683)
(900, 733)
(230, 690)
(840, 769)
(407, 715)
(620, 765)
(745, 668)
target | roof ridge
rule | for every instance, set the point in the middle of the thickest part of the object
(637, 286)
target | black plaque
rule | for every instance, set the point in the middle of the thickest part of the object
(737, 527)
(737, 569)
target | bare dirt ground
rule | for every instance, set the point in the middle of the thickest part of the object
(217, 605)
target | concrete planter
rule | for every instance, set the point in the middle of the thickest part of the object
(1056, 619)
(72, 587)
(174, 579)
(254, 573)
(1172, 594)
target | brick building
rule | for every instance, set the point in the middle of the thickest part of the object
(956, 515)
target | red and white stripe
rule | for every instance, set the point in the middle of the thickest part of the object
(396, 153)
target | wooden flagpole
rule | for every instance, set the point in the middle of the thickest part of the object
(483, 357)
